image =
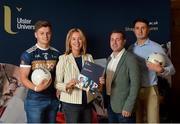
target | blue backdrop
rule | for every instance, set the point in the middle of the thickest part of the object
(95, 18)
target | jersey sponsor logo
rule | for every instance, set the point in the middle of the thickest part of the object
(49, 64)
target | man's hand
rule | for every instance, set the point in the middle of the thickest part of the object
(43, 85)
(155, 67)
(126, 113)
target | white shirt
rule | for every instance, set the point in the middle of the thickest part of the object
(111, 68)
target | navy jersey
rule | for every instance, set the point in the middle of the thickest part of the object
(36, 57)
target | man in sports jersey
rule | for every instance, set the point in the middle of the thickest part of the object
(41, 104)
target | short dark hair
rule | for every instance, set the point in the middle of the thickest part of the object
(141, 20)
(119, 31)
(42, 23)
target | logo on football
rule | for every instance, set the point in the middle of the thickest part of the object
(157, 58)
(40, 74)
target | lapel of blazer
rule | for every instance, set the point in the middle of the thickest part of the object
(84, 58)
(72, 61)
(108, 60)
(119, 65)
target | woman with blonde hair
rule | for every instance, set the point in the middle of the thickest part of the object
(76, 103)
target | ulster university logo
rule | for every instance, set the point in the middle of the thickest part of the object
(7, 20)
(21, 23)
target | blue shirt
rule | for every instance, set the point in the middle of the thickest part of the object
(149, 78)
(79, 64)
(36, 57)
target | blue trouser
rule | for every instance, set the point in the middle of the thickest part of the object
(38, 111)
(117, 117)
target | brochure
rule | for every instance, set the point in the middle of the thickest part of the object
(89, 77)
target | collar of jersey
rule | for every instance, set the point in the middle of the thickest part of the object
(41, 47)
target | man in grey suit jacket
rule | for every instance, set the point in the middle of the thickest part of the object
(122, 79)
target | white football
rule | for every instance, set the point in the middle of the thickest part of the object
(157, 58)
(40, 74)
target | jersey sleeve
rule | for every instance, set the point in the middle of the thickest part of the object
(25, 60)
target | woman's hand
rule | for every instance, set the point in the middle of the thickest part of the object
(71, 84)
(101, 83)
(58, 94)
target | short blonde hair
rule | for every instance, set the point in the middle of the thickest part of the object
(69, 37)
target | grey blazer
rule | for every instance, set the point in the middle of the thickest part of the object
(125, 83)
